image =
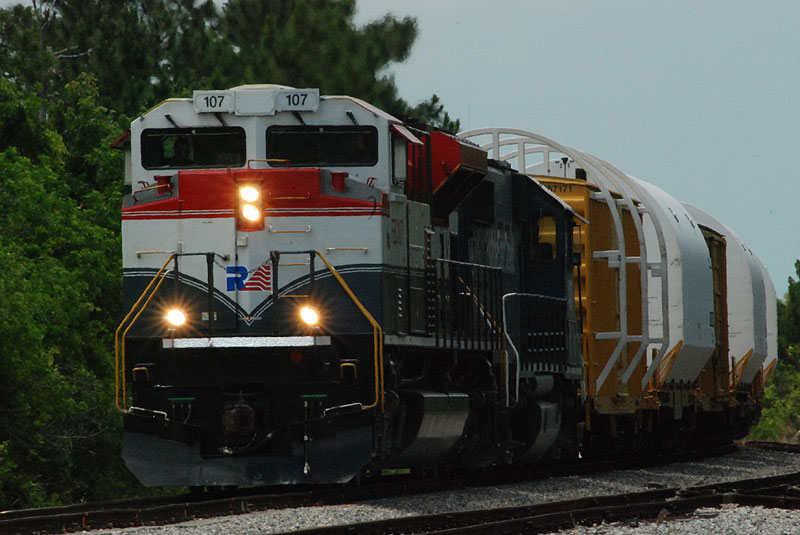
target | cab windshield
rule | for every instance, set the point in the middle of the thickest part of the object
(320, 145)
(187, 148)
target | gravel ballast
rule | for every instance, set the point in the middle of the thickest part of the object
(728, 520)
(743, 464)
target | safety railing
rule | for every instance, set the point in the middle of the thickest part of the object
(542, 331)
(377, 331)
(468, 305)
(156, 282)
(141, 304)
(125, 325)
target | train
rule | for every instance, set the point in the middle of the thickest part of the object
(317, 291)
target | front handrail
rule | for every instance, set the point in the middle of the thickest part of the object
(119, 342)
(153, 286)
(484, 312)
(377, 331)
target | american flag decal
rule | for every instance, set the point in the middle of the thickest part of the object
(260, 280)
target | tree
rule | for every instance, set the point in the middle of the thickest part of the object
(143, 51)
(60, 281)
(21, 126)
(24, 53)
(789, 321)
(432, 112)
(314, 43)
(780, 419)
(73, 71)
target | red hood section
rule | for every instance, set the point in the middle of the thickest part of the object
(212, 193)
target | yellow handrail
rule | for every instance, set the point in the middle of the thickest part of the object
(158, 279)
(377, 336)
(485, 312)
(119, 342)
(499, 330)
(267, 160)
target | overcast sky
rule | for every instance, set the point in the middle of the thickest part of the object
(701, 98)
(698, 97)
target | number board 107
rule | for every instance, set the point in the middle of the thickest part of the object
(213, 101)
(297, 100)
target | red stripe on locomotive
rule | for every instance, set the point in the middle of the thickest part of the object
(287, 192)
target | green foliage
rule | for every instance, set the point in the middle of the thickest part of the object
(21, 124)
(432, 112)
(789, 320)
(24, 55)
(59, 260)
(780, 418)
(72, 71)
(142, 51)
(314, 43)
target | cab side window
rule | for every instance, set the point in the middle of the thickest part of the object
(543, 239)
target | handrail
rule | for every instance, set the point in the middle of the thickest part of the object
(377, 336)
(266, 160)
(486, 314)
(503, 334)
(119, 343)
(158, 279)
(149, 188)
(301, 231)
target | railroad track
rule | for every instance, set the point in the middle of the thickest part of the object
(172, 509)
(772, 446)
(777, 491)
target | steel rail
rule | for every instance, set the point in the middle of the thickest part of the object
(658, 505)
(172, 509)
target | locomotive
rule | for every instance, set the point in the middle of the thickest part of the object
(318, 290)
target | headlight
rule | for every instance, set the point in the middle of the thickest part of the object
(249, 207)
(248, 193)
(309, 316)
(176, 317)
(251, 212)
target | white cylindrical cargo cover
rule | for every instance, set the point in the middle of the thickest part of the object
(521, 147)
(759, 313)
(691, 286)
(772, 317)
(747, 302)
(678, 290)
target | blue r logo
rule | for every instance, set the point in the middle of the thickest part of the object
(236, 277)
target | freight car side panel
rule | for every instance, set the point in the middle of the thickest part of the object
(714, 381)
(747, 299)
(600, 307)
(691, 312)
